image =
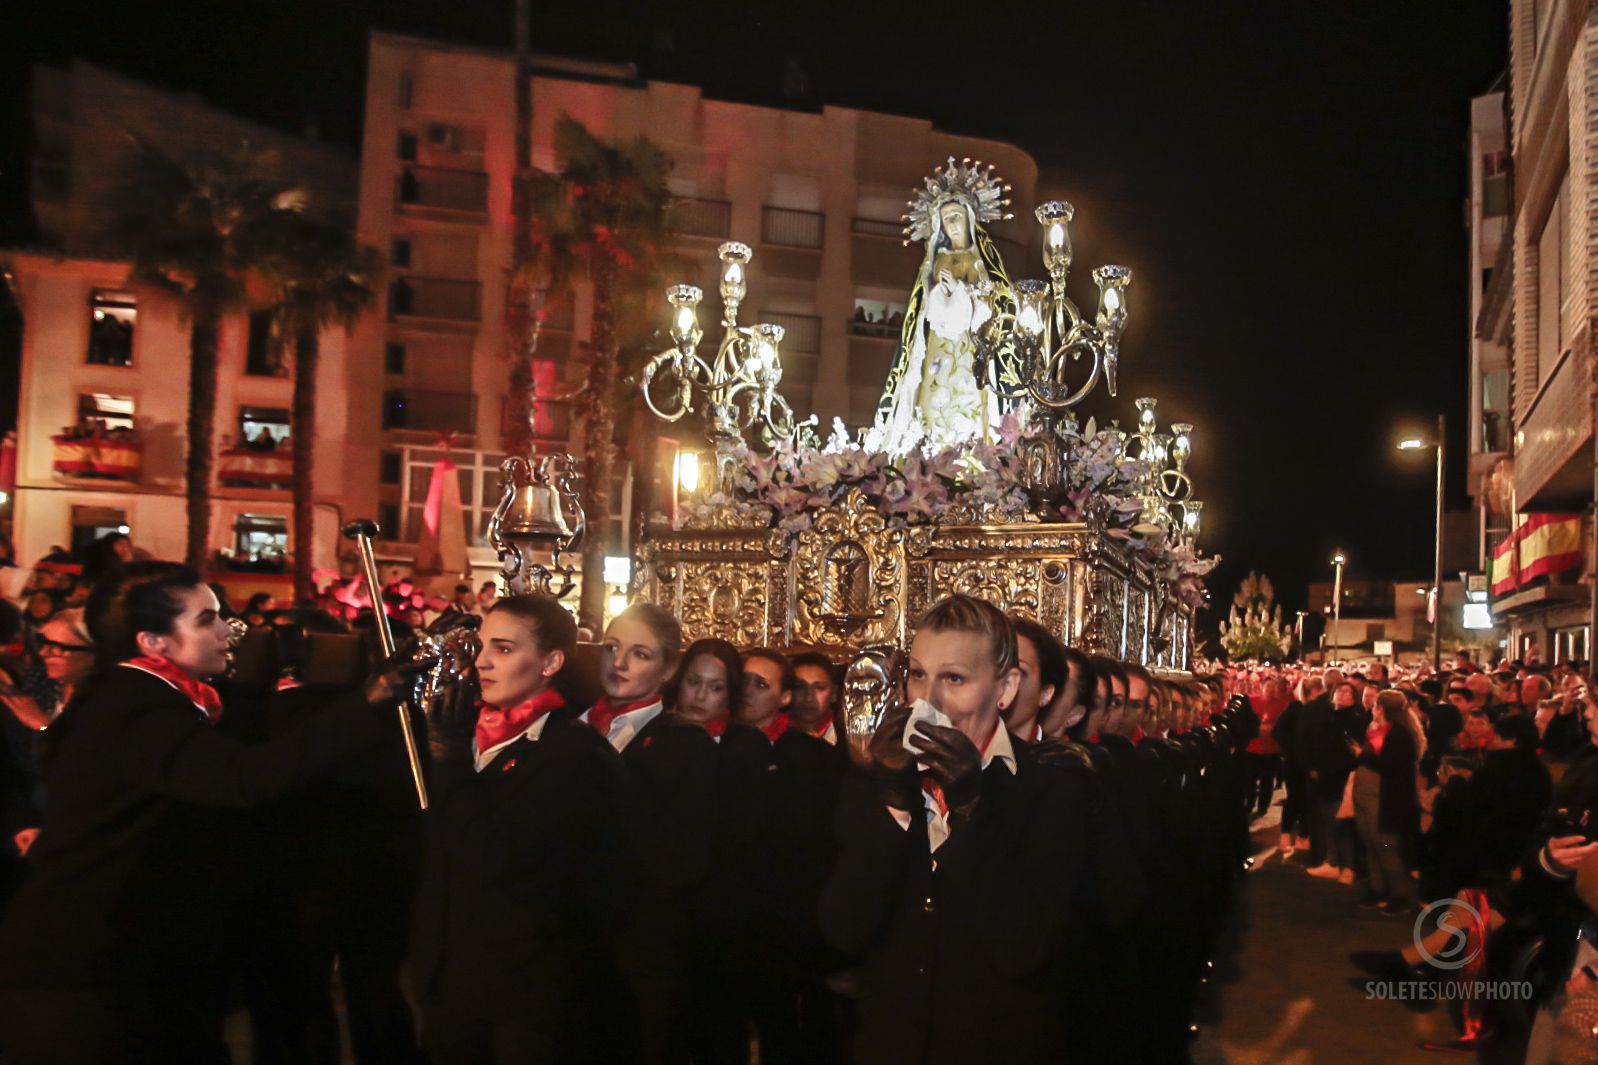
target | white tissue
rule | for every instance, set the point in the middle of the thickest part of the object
(921, 711)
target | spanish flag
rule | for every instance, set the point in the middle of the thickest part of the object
(1540, 545)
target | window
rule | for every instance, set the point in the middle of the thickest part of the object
(91, 523)
(1551, 288)
(1570, 645)
(112, 317)
(388, 471)
(399, 252)
(263, 352)
(99, 411)
(407, 90)
(406, 148)
(877, 318)
(394, 358)
(260, 540)
(263, 428)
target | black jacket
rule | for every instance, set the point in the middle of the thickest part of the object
(669, 794)
(1395, 765)
(524, 871)
(137, 871)
(1323, 746)
(955, 953)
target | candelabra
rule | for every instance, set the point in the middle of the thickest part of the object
(737, 390)
(1029, 349)
(1165, 487)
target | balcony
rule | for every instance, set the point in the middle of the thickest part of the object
(421, 410)
(788, 228)
(243, 467)
(689, 216)
(1553, 462)
(109, 455)
(801, 332)
(443, 192)
(434, 302)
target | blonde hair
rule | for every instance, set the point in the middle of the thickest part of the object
(967, 613)
(1396, 711)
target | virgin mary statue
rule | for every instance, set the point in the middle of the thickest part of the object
(934, 398)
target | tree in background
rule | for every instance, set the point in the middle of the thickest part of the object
(1253, 627)
(321, 277)
(200, 228)
(603, 215)
(523, 313)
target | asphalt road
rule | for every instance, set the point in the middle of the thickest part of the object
(1283, 994)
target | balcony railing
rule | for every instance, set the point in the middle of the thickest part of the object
(877, 227)
(792, 229)
(693, 217)
(434, 297)
(442, 412)
(802, 331)
(114, 455)
(442, 188)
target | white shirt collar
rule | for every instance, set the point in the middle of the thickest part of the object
(623, 727)
(1000, 749)
(483, 759)
(830, 733)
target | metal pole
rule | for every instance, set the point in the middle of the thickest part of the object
(362, 532)
(1337, 607)
(1437, 560)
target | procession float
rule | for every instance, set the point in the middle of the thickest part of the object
(975, 476)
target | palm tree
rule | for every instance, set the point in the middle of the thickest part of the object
(603, 213)
(322, 277)
(198, 228)
(522, 313)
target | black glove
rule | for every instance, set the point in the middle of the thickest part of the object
(394, 681)
(953, 761)
(888, 762)
(452, 720)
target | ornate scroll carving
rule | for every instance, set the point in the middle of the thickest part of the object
(849, 577)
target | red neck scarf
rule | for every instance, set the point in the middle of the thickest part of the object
(201, 694)
(716, 727)
(776, 727)
(495, 726)
(605, 711)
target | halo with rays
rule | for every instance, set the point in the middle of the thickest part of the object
(968, 180)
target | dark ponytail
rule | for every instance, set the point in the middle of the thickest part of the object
(128, 599)
(132, 598)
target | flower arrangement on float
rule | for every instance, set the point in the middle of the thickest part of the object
(789, 485)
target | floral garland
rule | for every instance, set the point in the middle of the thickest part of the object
(788, 487)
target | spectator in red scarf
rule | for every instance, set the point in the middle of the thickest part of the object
(708, 687)
(1264, 761)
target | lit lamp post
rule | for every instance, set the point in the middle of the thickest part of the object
(1338, 561)
(1436, 598)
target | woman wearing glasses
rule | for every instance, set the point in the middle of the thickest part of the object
(64, 656)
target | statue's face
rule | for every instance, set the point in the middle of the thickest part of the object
(955, 225)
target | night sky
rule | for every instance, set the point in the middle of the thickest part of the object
(1286, 179)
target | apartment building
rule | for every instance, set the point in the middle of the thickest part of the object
(817, 195)
(1537, 309)
(103, 388)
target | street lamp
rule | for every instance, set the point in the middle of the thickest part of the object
(1436, 599)
(1339, 561)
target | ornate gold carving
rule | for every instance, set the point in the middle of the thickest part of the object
(1009, 584)
(724, 600)
(850, 581)
(849, 577)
